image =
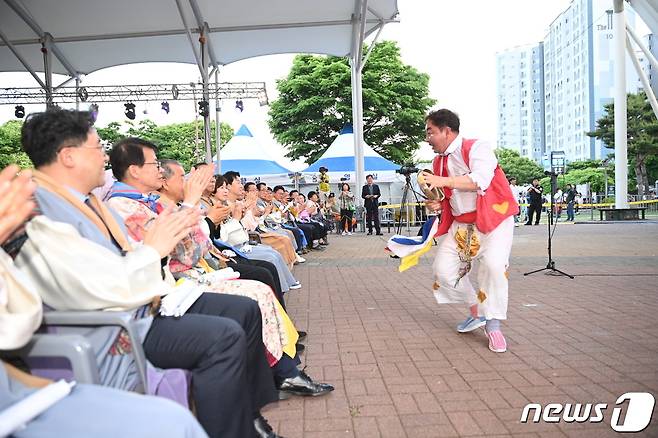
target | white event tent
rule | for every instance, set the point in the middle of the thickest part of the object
(244, 154)
(77, 37)
(339, 160)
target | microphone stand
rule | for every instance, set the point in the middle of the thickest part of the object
(550, 266)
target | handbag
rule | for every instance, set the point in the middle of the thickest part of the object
(233, 233)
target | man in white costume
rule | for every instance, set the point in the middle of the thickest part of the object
(477, 220)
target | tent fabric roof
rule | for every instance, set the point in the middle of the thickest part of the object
(340, 156)
(240, 152)
(95, 34)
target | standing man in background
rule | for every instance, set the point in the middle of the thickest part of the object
(535, 201)
(570, 199)
(371, 194)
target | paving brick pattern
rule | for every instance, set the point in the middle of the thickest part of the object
(401, 370)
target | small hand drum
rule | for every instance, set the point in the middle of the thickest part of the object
(435, 194)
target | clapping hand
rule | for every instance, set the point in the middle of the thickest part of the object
(218, 213)
(169, 228)
(196, 183)
(15, 199)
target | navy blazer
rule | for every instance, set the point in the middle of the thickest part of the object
(371, 203)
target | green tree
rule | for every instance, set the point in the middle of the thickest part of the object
(514, 165)
(175, 141)
(642, 136)
(111, 133)
(592, 175)
(315, 102)
(10, 145)
(587, 164)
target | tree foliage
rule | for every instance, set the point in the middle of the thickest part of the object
(315, 102)
(595, 176)
(514, 165)
(176, 141)
(10, 145)
(642, 137)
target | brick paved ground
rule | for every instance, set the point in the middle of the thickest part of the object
(401, 370)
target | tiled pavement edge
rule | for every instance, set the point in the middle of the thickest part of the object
(401, 370)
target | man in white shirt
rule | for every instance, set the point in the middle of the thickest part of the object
(477, 220)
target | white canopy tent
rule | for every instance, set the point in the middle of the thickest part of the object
(76, 37)
(339, 160)
(244, 154)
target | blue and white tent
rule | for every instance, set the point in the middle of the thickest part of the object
(339, 159)
(244, 154)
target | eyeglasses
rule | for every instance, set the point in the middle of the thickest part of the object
(98, 148)
(155, 163)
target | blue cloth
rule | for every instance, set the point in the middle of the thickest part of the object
(123, 190)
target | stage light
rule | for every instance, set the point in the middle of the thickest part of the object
(130, 110)
(19, 111)
(165, 106)
(239, 105)
(204, 109)
(83, 94)
(93, 110)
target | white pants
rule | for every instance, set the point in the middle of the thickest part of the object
(493, 261)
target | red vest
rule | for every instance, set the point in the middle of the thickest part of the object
(497, 204)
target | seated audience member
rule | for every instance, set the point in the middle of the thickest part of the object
(284, 205)
(133, 198)
(261, 252)
(249, 217)
(267, 221)
(88, 410)
(279, 334)
(312, 209)
(79, 258)
(275, 218)
(333, 211)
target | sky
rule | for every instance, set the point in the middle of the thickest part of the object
(443, 38)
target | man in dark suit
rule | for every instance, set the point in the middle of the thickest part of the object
(371, 195)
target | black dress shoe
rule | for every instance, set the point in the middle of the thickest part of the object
(302, 335)
(380, 234)
(369, 233)
(300, 347)
(303, 385)
(263, 428)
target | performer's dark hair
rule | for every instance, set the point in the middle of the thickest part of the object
(444, 118)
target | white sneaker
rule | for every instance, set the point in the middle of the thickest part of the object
(344, 233)
(300, 259)
(349, 233)
(297, 285)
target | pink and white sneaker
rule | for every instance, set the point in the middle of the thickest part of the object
(497, 342)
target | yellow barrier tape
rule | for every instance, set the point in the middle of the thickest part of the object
(547, 204)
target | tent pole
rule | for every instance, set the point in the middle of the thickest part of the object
(218, 131)
(206, 96)
(47, 68)
(358, 30)
(621, 151)
(77, 98)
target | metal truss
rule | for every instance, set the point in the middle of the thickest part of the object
(135, 93)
